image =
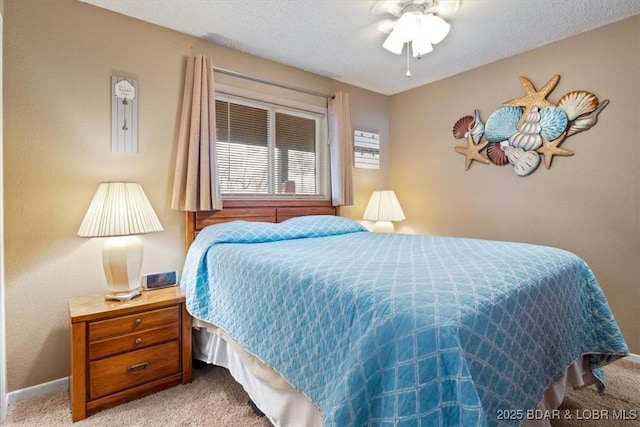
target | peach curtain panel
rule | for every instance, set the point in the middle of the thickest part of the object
(195, 184)
(341, 149)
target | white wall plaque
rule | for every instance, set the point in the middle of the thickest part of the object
(124, 89)
(366, 150)
(124, 115)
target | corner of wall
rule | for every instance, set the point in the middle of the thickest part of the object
(3, 365)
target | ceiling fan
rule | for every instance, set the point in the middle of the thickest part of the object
(419, 22)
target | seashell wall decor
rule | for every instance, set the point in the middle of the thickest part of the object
(525, 131)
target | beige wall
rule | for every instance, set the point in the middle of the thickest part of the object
(59, 60)
(3, 365)
(588, 203)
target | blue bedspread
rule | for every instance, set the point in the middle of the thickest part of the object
(400, 330)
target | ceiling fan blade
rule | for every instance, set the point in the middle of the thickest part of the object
(446, 8)
(385, 7)
(386, 25)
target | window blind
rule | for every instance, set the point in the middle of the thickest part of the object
(265, 150)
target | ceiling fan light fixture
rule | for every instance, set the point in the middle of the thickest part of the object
(437, 27)
(419, 25)
(394, 43)
(403, 32)
(421, 45)
(407, 26)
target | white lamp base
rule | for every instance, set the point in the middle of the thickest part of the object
(122, 262)
(122, 296)
(384, 227)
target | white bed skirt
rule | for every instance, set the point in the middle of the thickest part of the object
(286, 406)
(282, 403)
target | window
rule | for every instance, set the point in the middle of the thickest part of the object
(270, 151)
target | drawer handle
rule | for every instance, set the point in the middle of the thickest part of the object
(138, 321)
(137, 368)
(138, 341)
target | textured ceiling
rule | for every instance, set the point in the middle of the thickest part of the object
(338, 39)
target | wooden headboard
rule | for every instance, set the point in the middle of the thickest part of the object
(254, 210)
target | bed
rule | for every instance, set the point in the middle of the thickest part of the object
(327, 324)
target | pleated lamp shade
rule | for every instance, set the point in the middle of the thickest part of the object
(120, 211)
(384, 208)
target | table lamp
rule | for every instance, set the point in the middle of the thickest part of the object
(383, 208)
(120, 211)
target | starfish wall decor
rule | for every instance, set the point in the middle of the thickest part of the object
(529, 129)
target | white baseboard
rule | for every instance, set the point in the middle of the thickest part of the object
(37, 390)
(632, 357)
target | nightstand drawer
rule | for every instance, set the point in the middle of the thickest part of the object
(135, 322)
(137, 340)
(127, 370)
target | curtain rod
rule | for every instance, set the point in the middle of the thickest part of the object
(270, 82)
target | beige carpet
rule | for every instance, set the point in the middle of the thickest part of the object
(586, 407)
(215, 399)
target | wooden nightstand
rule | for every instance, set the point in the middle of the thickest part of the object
(123, 350)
